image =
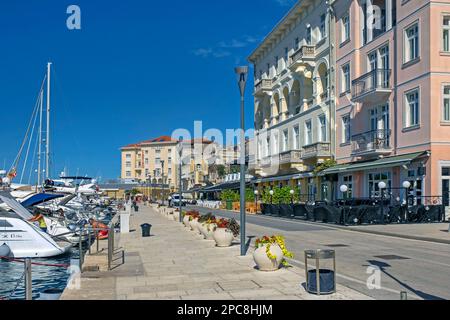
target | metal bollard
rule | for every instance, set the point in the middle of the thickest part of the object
(403, 295)
(89, 240)
(28, 280)
(80, 249)
(110, 249)
(97, 240)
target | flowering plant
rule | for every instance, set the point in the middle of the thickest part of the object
(232, 225)
(267, 242)
(208, 218)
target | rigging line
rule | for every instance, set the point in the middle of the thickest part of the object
(33, 160)
(16, 160)
(29, 142)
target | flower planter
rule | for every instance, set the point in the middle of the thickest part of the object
(193, 224)
(223, 237)
(207, 230)
(263, 262)
(186, 221)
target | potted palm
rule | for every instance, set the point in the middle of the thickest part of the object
(270, 253)
(225, 231)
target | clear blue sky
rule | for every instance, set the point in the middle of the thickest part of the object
(137, 69)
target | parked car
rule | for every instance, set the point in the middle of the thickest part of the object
(175, 201)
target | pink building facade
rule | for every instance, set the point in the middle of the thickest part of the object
(393, 98)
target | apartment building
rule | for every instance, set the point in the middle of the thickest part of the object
(152, 161)
(393, 98)
(294, 94)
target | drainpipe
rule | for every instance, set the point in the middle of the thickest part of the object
(394, 87)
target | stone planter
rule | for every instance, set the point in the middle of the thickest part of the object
(186, 221)
(223, 237)
(207, 230)
(262, 260)
(193, 224)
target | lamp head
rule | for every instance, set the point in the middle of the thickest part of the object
(242, 74)
(292, 192)
(344, 188)
(406, 184)
(256, 192)
(271, 192)
(382, 185)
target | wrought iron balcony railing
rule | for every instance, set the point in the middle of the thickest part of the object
(373, 81)
(372, 141)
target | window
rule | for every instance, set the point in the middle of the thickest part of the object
(348, 181)
(374, 179)
(446, 34)
(412, 108)
(169, 171)
(128, 174)
(128, 156)
(128, 164)
(276, 63)
(412, 43)
(146, 151)
(267, 153)
(286, 55)
(146, 161)
(308, 133)
(285, 140)
(322, 128)
(345, 28)
(308, 34)
(296, 142)
(157, 161)
(297, 43)
(346, 78)
(268, 70)
(323, 27)
(446, 106)
(346, 129)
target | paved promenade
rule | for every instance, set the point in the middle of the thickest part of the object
(175, 263)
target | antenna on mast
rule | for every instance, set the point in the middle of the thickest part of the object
(47, 141)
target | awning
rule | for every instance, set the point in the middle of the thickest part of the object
(285, 177)
(40, 198)
(389, 162)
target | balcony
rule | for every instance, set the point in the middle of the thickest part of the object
(306, 54)
(291, 157)
(317, 150)
(373, 87)
(262, 87)
(372, 143)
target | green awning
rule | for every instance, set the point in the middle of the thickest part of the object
(389, 162)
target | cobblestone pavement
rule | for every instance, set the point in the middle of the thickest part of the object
(175, 263)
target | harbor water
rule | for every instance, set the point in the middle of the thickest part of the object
(51, 273)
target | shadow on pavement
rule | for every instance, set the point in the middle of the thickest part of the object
(383, 266)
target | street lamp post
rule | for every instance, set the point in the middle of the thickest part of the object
(382, 186)
(292, 192)
(180, 186)
(242, 73)
(407, 185)
(162, 180)
(271, 196)
(256, 200)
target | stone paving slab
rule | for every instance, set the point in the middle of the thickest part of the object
(175, 263)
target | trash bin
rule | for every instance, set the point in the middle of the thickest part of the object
(229, 205)
(136, 208)
(146, 230)
(320, 281)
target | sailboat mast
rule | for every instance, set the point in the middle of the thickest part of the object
(41, 103)
(47, 140)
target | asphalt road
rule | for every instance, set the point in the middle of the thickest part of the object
(418, 267)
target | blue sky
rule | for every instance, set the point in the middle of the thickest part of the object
(137, 69)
